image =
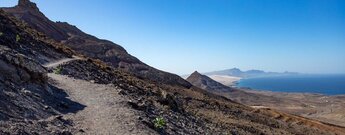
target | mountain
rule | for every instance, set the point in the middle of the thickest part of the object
(88, 45)
(49, 88)
(245, 74)
(206, 83)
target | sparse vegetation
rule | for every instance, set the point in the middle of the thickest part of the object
(17, 38)
(57, 70)
(159, 122)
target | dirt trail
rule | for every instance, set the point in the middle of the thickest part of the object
(105, 112)
(62, 61)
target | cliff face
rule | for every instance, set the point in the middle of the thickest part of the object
(90, 46)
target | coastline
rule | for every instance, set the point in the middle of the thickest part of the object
(319, 106)
(322, 107)
(226, 80)
(324, 85)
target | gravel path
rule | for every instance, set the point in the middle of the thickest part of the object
(62, 61)
(105, 113)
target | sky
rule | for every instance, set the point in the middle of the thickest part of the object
(181, 36)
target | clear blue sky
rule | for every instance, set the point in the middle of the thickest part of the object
(182, 36)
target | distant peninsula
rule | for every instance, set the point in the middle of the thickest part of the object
(236, 72)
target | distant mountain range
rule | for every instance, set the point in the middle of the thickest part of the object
(245, 74)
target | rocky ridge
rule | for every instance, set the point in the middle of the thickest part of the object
(90, 46)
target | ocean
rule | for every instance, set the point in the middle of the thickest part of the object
(322, 84)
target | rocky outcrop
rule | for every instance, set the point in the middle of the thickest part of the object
(27, 4)
(18, 68)
(29, 12)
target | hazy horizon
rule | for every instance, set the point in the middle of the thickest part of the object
(183, 36)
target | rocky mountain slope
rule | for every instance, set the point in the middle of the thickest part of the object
(88, 45)
(29, 104)
(35, 102)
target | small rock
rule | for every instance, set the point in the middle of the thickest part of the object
(59, 117)
(26, 91)
(28, 121)
(133, 104)
(122, 92)
(81, 130)
(46, 107)
(66, 132)
(140, 118)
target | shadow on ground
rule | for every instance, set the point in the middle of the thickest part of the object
(64, 105)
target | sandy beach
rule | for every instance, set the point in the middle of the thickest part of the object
(225, 79)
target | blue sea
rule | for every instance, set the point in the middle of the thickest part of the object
(322, 84)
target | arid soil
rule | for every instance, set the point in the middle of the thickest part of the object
(329, 109)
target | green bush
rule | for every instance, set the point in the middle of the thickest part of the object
(159, 122)
(17, 38)
(57, 70)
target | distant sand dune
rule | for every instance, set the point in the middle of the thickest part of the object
(225, 79)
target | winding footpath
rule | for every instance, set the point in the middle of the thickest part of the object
(62, 61)
(106, 112)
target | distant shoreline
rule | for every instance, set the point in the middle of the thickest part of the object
(226, 80)
(328, 85)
